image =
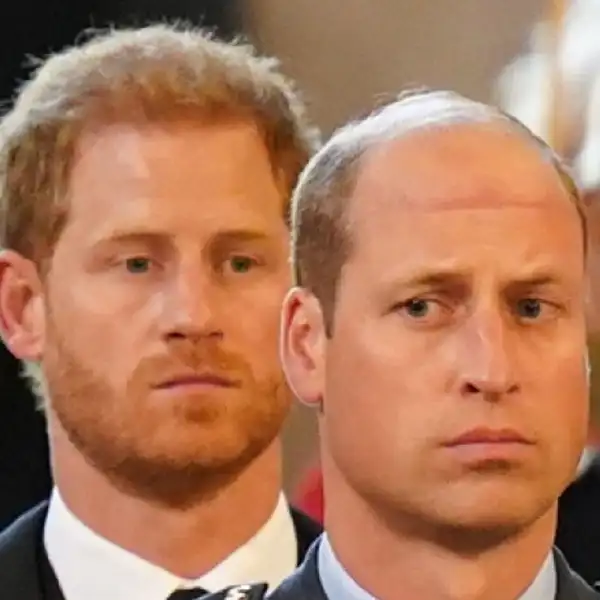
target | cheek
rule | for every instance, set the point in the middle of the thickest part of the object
(372, 395)
(376, 363)
(374, 414)
(564, 397)
(556, 406)
(106, 343)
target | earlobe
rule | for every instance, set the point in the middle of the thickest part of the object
(22, 317)
(303, 346)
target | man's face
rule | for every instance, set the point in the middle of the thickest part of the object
(163, 304)
(454, 384)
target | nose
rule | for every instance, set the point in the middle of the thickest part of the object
(189, 307)
(486, 360)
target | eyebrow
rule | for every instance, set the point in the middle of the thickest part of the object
(239, 235)
(536, 280)
(452, 278)
(429, 279)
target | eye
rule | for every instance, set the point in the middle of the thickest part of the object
(417, 308)
(426, 310)
(138, 264)
(240, 263)
(529, 308)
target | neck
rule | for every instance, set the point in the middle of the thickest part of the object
(186, 542)
(386, 561)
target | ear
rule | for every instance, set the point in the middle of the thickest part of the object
(22, 315)
(302, 345)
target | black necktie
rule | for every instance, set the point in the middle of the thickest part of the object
(187, 594)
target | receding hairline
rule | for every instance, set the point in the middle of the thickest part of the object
(480, 139)
(416, 113)
(419, 112)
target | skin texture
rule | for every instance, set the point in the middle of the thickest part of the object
(461, 308)
(172, 266)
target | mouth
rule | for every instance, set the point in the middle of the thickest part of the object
(196, 381)
(488, 436)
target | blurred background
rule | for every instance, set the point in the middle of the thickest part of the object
(344, 55)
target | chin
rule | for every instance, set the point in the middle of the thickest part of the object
(204, 446)
(497, 515)
(176, 475)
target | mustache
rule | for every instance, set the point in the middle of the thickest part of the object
(193, 359)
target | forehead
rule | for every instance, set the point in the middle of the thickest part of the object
(176, 172)
(464, 193)
(459, 165)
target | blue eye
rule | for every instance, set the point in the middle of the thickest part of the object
(529, 308)
(138, 264)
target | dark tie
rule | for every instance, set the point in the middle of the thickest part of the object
(187, 594)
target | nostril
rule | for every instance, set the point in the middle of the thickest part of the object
(471, 388)
(490, 391)
(176, 335)
(195, 336)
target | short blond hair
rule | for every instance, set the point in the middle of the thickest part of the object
(155, 73)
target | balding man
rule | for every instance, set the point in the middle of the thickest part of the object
(438, 325)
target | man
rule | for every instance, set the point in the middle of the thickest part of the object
(145, 186)
(438, 324)
(24, 457)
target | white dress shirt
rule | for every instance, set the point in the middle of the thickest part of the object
(338, 584)
(90, 567)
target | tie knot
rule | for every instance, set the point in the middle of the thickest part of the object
(187, 594)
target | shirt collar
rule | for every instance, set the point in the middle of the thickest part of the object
(338, 584)
(90, 567)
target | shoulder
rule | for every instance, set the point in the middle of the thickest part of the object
(24, 533)
(20, 547)
(304, 583)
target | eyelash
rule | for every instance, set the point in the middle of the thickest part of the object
(545, 307)
(126, 262)
(253, 262)
(225, 264)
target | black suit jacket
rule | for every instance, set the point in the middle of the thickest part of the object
(25, 572)
(305, 584)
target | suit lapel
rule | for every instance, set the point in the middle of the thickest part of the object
(23, 560)
(26, 573)
(569, 586)
(304, 583)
